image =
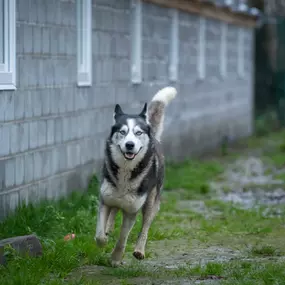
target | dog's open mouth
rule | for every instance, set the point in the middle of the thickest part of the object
(129, 155)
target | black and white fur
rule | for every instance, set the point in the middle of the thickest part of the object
(133, 173)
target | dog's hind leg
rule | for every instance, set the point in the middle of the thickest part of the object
(111, 220)
(118, 252)
(103, 214)
(149, 211)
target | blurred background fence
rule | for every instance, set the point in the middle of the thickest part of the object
(270, 66)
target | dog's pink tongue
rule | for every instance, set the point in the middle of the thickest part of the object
(130, 155)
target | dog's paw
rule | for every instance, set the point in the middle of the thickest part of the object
(138, 254)
(116, 263)
(101, 240)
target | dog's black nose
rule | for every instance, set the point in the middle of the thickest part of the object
(129, 145)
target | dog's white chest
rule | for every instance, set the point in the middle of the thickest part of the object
(124, 196)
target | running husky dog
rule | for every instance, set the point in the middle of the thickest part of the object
(133, 173)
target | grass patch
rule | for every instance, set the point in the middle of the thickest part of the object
(192, 175)
(264, 250)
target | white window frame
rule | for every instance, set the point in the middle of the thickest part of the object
(84, 47)
(202, 48)
(240, 63)
(8, 68)
(174, 46)
(136, 42)
(223, 51)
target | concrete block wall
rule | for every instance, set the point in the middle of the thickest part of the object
(52, 132)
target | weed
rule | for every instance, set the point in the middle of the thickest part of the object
(265, 250)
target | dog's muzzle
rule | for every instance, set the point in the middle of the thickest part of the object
(129, 155)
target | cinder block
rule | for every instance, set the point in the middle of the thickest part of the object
(29, 167)
(2, 176)
(42, 16)
(4, 140)
(26, 37)
(61, 41)
(10, 168)
(41, 190)
(28, 104)
(36, 97)
(12, 200)
(24, 136)
(66, 130)
(69, 97)
(3, 210)
(66, 8)
(46, 163)
(71, 40)
(33, 134)
(61, 100)
(7, 106)
(19, 170)
(38, 162)
(46, 40)
(50, 131)
(55, 159)
(58, 130)
(23, 11)
(105, 41)
(14, 138)
(54, 188)
(24, 196)
(62, 158)
(42, 133)
(37, 39)
(20, 38)
(20, 105)
(53, 39)
(53, 93)
(45, 94)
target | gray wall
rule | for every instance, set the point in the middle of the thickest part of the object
(52, 132)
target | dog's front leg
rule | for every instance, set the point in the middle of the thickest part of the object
(102, 216)
(111, 220)
(149, 211)
(118, 252)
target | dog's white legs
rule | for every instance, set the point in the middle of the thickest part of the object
(103, 214)
(149, 211)
(111, 220)
(118, 252)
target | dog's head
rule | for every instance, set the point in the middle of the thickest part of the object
(130, 133)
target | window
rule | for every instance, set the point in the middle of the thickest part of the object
(202, 47)
(240, 53)
(223, 50)
(84, 42)
(174, 45)
(7, 45)
(136, 52)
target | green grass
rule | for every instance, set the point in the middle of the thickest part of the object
(265, 250)
(192, 175)
(247, 232)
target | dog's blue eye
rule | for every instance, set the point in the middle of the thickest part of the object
(122, 133)
(138, 133)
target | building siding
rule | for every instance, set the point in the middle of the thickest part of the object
(52, 132)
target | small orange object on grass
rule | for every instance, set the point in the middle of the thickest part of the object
(69, 237)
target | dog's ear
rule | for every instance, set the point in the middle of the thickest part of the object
(118, 111)
(143, 113)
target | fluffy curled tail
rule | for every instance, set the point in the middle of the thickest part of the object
(156, 109)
